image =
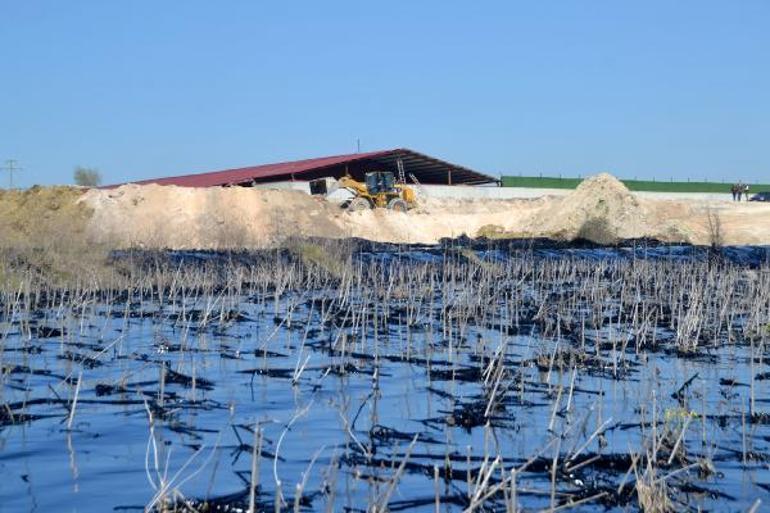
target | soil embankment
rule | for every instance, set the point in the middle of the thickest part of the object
(42, 217)
(600, 209)
(156, 216)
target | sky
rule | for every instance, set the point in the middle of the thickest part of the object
(139, 89)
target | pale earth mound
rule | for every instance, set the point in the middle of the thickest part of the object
(155, 216)
(601, 209)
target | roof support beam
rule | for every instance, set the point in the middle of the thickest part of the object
(427, 169)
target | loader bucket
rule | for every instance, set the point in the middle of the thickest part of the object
(319, 187)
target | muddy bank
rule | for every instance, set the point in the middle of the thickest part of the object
(42, 216)
(157, 216)
(601, 210)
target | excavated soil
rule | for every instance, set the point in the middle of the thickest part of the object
(209, 218)
(601, 209)
(41, 216)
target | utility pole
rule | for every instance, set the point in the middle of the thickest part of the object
(11, 165)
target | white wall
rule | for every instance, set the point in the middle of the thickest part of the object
(439, 191)
(494, 192)
(686, 195)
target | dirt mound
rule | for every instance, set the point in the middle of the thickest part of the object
(41, 216)
(438, 218)
(154, 216)
(45, 230)
(601, 209)
(206, 218)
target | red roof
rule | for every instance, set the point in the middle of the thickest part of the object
(426, 169)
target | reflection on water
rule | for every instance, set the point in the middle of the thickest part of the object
(341, 390)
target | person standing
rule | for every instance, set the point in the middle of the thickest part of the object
(746, 191)
(739, 190)
(734, 190)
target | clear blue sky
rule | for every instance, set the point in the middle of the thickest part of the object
(147, 88)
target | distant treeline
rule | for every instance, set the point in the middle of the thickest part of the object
(546, 182)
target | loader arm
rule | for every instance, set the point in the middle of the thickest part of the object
(354, 186)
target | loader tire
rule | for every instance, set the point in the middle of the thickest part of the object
(398, 205)
(358, 204)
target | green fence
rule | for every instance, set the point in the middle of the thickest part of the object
(546, 182)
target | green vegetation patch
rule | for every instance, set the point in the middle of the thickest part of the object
(546, 182)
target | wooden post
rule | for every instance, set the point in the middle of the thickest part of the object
(449, 177)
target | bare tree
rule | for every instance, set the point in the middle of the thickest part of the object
(716, 237)
(87, 176)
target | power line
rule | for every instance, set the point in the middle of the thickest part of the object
(11, 165)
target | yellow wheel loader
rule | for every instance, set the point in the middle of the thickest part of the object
(379, 190)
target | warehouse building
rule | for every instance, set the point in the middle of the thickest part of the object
(415, 167)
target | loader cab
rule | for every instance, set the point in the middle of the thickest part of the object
(378, 182)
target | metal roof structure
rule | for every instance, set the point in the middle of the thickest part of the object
(426, 169)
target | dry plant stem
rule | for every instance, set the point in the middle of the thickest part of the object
(574, 504)
(280, 502)
(598, 431)
(71, 417)
(436, 490)
(554, 465)
(374, 309)
(514, 501)
(255, 456)
(382, 502)
(679, 440)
